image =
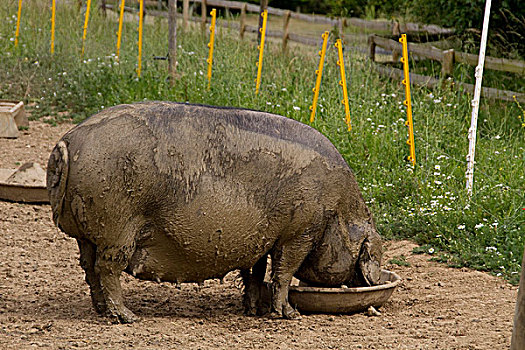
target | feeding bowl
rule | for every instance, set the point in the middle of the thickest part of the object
(26, 184)
(343, 300)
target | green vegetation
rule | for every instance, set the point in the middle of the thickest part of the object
(399, 260)
(507, 21)
(426, 203)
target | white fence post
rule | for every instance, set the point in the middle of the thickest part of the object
(475, 102)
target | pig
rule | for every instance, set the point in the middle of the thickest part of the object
(178, 192)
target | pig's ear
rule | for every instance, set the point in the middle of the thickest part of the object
(370, 263)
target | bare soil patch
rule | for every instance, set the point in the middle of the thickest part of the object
(45, 303)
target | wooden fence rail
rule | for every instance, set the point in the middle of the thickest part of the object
(447, 59)
(376, 25)
(501, 64)
(241, 26)
(372, 25)
(431, 82)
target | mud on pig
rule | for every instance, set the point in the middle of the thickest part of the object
(184, 193)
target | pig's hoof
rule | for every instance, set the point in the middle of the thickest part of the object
(292, 315)
(99, 306)
(122, 315)
(250, 311)
(263, 310)
(274, 315)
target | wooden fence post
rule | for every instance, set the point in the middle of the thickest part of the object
(371, 48)
(242, 27)
(396, 31)
(227, 16)
(264, 6)
(172, 38)
(447, 65)
(286, 23)
(396, 53)
(103, 7)
(203, 16)
(185, 13)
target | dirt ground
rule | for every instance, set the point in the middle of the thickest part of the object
(45, 303)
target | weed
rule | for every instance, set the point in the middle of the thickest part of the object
(399, 260)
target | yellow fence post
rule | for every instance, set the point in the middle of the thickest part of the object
(319, 74)
(120, 21)
(53, 13)
(341, 64)
(18, 22)
(407, 102)
(213, 14)
(86, 20)
(261, 51)
(141, 19)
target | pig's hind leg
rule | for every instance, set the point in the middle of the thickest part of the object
(109, 264)
(87, 262)
(256, 299)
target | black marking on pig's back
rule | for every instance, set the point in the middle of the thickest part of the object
(165, 115)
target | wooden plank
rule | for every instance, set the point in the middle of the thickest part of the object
(431, 82)
(151, 3)
(185, 13)
(425, 28)
(230, 4)
(103, 7)
(203, 15)
(306, 40)
(314, 18)
(172, 39)
(418, 79)
(286, 23)
(417, 49)
(377, 25)
(371, 49)
(242, 27)
(302, 39)
(371, 25)
(501, 64)
(447, 65)
(279, 34)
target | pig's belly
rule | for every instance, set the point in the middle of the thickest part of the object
(205, 239)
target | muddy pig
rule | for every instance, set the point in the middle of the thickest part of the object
(184, 193)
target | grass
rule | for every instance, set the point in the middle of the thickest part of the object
(399, 260)
(426, 203)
